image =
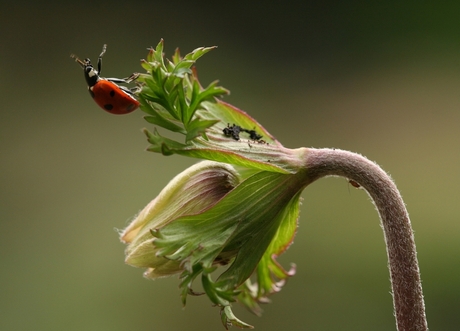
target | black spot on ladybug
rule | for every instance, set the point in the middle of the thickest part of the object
(108, 106)
(112, 93)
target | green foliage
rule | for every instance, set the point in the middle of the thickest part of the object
(174, 100)
(250, 232)
(171, 95)
(246, 228)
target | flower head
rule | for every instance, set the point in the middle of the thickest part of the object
(211, 214)
(191, 192)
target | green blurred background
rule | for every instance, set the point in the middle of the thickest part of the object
(379, 79)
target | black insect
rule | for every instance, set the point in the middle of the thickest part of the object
(232, 131)
(235, 130)
(253, 135)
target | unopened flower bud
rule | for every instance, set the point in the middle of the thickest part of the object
(191, 192)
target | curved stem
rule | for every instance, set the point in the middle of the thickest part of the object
(399, 238)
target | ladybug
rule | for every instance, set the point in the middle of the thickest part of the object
(110, 96)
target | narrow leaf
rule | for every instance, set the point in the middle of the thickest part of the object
(198, 127)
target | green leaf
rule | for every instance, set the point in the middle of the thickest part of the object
(161, 144)
(157, 119)
(147, 66)
(176, 58)
(178, 92)
(249, 299)
(157, 55)
(208, 94)
(228, 318)
(180, 103)
(246, 225)
(159, 116)
(198, 52)
(268, 269)
(215, 293)
(182, 68)
(268, 155)
(198, 127)
(187, 278)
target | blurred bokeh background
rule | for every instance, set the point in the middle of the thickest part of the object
(379, 79)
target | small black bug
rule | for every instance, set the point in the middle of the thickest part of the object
(232, 131)
(253, 135)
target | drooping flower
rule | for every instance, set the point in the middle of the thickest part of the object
(209, 215)
(212, 214)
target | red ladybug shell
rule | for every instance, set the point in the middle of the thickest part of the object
(110, 97)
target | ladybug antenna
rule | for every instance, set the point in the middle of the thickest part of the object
(80, 62)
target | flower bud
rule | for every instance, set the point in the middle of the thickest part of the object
(191, 192)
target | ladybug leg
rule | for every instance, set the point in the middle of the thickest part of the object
(130, 91)
(126, 80)
(99, 60)
(133, 77)
(125, 89)
(136, 89)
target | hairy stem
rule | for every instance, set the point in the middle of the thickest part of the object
(408, 301)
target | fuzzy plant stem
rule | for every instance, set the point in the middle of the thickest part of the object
(409, 307)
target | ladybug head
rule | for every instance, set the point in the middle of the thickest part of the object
(91, 74)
